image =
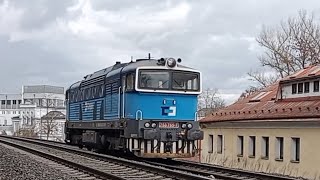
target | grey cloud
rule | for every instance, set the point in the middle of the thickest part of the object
(214, 37)
(37, 14)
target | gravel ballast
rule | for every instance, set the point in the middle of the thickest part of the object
(16, 164)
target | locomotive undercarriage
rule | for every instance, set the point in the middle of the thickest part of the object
(132, 136)
(157, 149)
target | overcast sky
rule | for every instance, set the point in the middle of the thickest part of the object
(57, 42)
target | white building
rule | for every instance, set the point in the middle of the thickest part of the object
(29, 106)
(273, 130)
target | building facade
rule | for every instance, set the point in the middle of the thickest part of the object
(23, 110)
(274, 130)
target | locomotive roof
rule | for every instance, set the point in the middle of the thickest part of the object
(145, 62)
(126, 67)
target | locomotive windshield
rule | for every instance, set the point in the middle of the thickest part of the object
(169, 80)
(154, 80)
(185, 81)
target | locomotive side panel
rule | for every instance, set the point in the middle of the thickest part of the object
(112, 101)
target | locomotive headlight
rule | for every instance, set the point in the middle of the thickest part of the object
(154, 125)
(171, 62)
(183, 126)
(147, 124)
(190, 126)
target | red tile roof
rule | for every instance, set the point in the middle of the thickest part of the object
(310, 71)
(263, 105)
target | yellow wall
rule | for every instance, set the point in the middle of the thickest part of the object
(308, 167)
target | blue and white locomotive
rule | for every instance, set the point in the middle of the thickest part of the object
(147, 107)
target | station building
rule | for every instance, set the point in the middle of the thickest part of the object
(274, 130)
(23, 110)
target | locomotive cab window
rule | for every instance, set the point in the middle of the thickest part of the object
(154, 80)
(169, 80)
(130, 82)
(185, 81)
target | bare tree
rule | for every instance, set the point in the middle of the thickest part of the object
(262, 78)
(292, 46)
(3, 132)
(27, 132)
(50, 124)
(209, 101)
(250, 90)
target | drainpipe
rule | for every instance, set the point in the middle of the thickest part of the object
(200, 149)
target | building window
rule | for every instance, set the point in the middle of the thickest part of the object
(14, 102)
(252, 146)
(265, 148)
(316, 86)
(300, 88)
(306, 87)
(3, 102)
(240, 145)
(295, 149)
(220, 144)
(5, 122)
(210, 144)
(294, 88)
(279, 148)
(8, 102)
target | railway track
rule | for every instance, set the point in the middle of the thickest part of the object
(97, 165)
(213, 171)
(160, 168)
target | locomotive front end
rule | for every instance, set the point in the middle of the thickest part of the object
(170, 139)
(164, 106)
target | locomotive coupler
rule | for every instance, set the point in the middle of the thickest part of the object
(169, 135)
(168, 147)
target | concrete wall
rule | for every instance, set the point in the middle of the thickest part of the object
(307, 167)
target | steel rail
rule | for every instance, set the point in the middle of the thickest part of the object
(216, 171)
(160, 170)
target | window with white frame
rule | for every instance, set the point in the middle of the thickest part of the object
(306, 87)
(295, 149)
(240, 145)
(300, 88)
(279, 148)
(210, 143)
(315, 86)
(220, 144)
(252, 146)
(294, 88)
(265, 147)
